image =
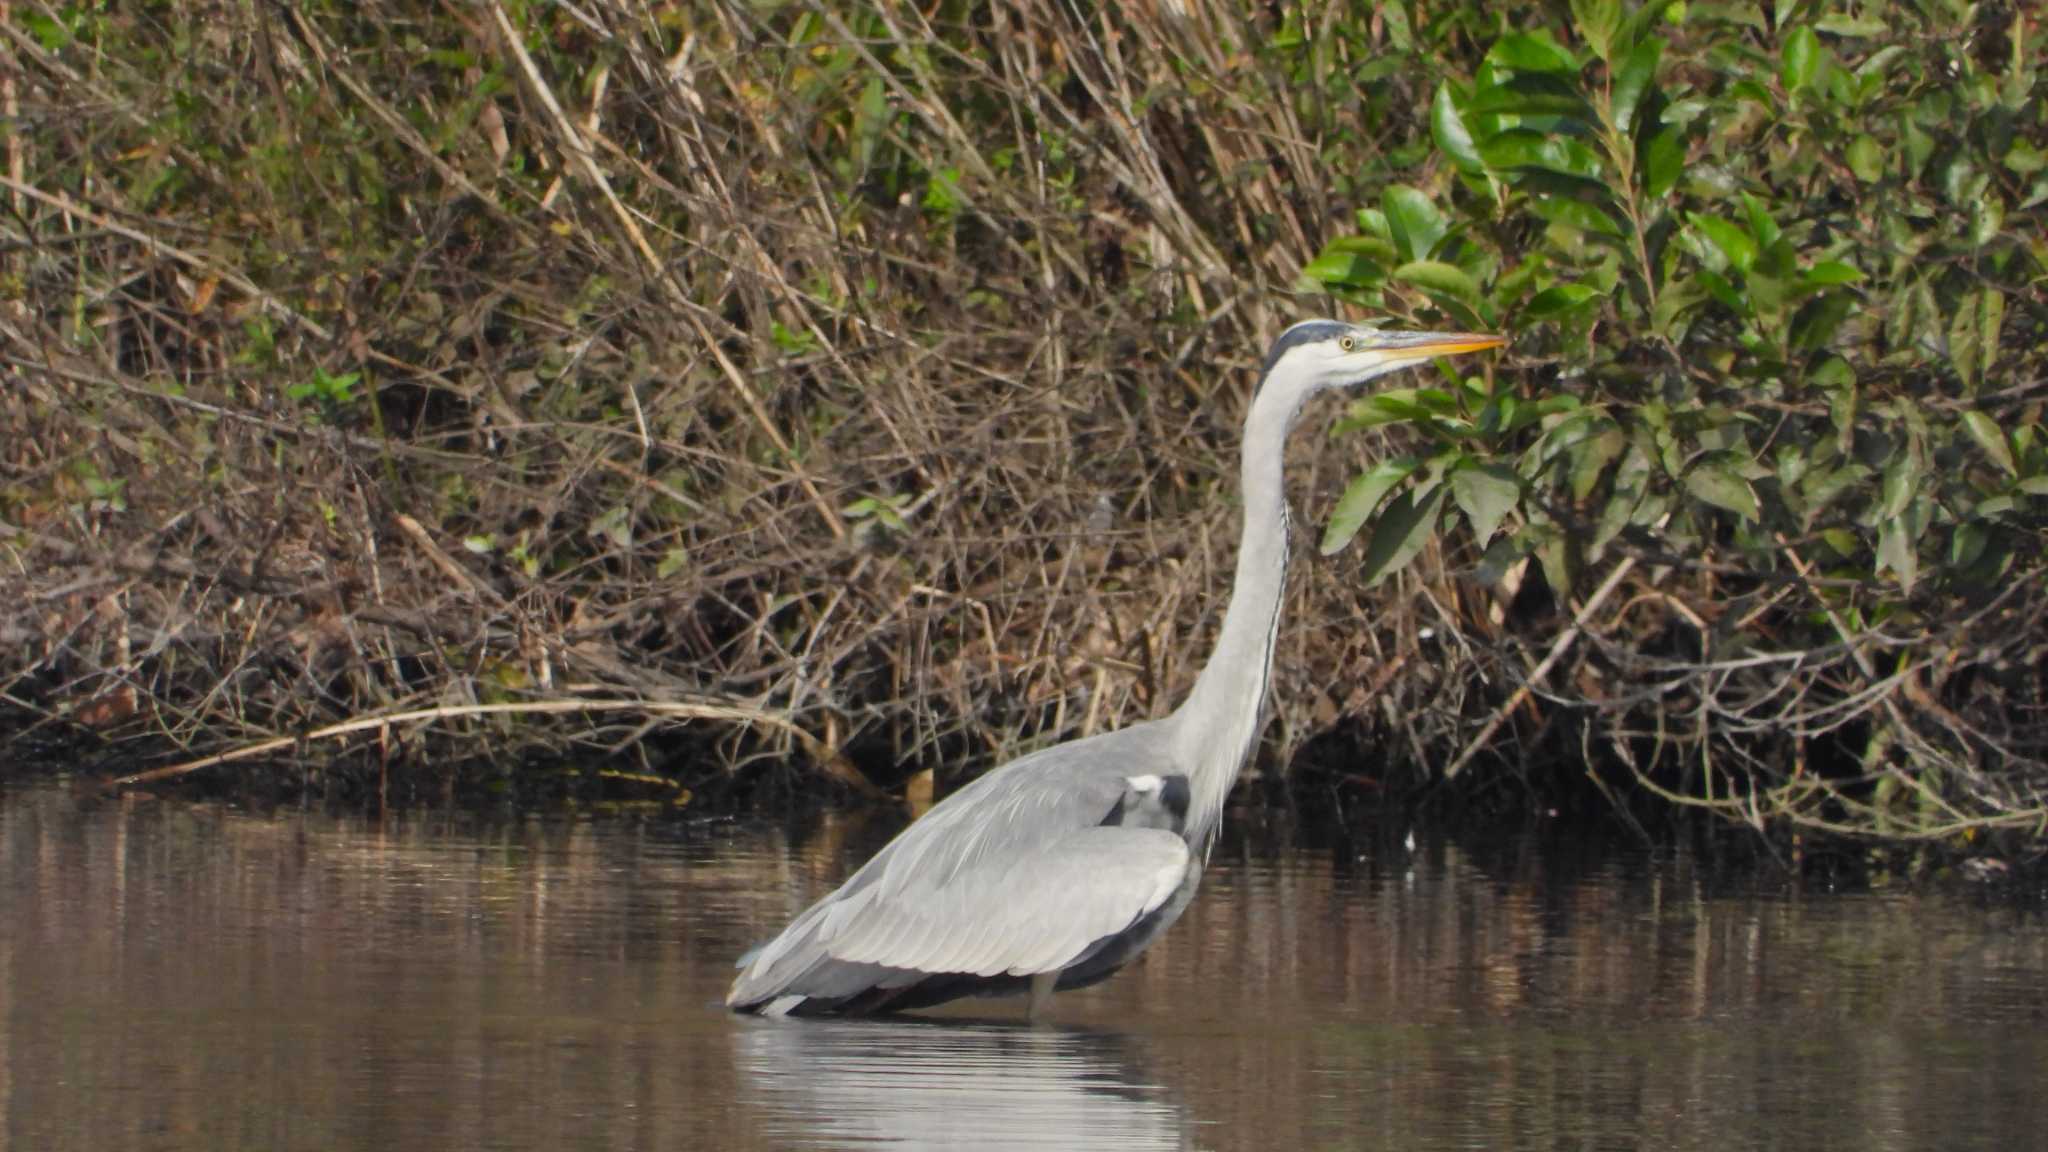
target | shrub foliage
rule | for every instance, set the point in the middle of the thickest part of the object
(1778, 283)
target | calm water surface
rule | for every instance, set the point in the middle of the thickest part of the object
(183, 976)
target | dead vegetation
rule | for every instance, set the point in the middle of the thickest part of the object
(408, 359)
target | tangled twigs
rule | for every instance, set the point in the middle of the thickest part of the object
(156, 244)
(578, 148)
(1558, 648)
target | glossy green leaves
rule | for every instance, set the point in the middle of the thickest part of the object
(1777, 269)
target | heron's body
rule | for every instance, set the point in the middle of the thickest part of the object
(1056, 869)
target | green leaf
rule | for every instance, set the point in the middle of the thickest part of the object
(1828, 273)
(1536, 94)
(1631, 482)
(1639, 23)
(1486, 493)
(1507, 551)
(1525, 413)
(1720, 289)
(1638, 73)
(1851, 26)
(1990, 318)
(1438, 277)
(1763, 227)
(1413, 219)
(1919, 146)
(1898, 539)
(1825, 486)
(942, 194)
(1520, 148)
(1362, 498)
(1394, 406)
(1767, 293)
(1967, 545)
(1875, 65)
(614, 524)
(1729, 239)
(1539, 53)
(1540, 181)
(871, 121)
(1866, 159)
(52, 34)
(1577, 423)
(1406, 526)
(1575, 214)
(1596, 22)
(1590, 458)
(1991, 438)
(1793, 465)
(1901, 481)
(2024, 159)
(1719, 485)
(1987, 216)
(1560, 300)
(1819, 319)
(1556, 554)
(1799, 60)
(1344, 270)
(1435, 401)
(1447, 125)
(1399, 32)
(1662, 161)
(1352, 262)
(1965, 351)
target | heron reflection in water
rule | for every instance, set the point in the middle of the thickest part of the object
(1056, 869)
(932, 1084)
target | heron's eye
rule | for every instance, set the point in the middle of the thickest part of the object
(1348, 343)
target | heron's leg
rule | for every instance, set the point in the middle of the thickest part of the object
(1041, 993)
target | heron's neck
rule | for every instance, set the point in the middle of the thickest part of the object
(1220, 720)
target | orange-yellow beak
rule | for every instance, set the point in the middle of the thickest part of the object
(1423, 345)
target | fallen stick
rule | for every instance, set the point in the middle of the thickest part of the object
(826, 759)
(1550, 659)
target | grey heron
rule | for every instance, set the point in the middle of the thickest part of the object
(1057, 868)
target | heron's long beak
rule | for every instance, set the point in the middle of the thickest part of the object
(1406, 346)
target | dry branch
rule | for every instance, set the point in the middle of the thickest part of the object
(825, 759)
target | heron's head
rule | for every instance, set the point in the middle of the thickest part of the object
(1318, 354)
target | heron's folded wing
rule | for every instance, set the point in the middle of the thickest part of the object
(1034, 912)
(1007, 824)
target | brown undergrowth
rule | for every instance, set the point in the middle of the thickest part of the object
(859, 384)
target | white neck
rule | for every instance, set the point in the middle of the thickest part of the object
(1216, 727)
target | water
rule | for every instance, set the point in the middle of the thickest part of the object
(181, 976)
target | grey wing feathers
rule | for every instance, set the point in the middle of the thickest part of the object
(1039, 917)
(1036, 914)
(1013, 875)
